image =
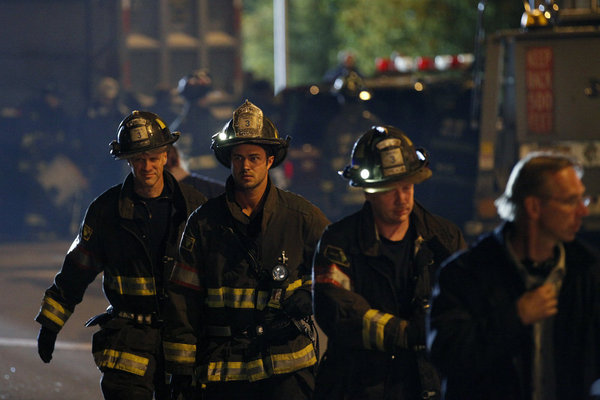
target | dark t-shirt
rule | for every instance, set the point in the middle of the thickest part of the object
(400, 252)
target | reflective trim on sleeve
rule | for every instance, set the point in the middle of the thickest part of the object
(54, 311)
(84, 259)
(180, 353)
(224, 371)
(332, 274)
(289, 362)
(133, 286)
(122, 361)
(374, 322)
(185, 275)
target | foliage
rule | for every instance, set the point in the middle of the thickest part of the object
(318, 30)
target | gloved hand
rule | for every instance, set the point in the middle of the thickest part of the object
(298, 305)
(181, 385)
(46, 340)
(411, 335)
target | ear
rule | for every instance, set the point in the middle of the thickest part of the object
(270, 160)
(532, 206)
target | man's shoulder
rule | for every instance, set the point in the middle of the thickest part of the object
(192, 194)
(431, 220)
(486, 249)
(213, 207)
(295, 202)
(208, 186)
(581, 252)
(109, 197)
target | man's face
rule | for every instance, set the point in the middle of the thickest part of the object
(562, 209)
(249, 166)
(147, 168)
(394, 206)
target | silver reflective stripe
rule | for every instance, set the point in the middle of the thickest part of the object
(235, 298)
(122, 361)
(289, 362)
(54, 311)
(374, 322)
(133, 286)
(180, 352)
(223, 371)
(186, 276)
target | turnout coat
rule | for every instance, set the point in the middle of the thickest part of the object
(358, 308)
(114, 240)
(227, 322)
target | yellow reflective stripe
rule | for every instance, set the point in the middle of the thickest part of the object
(221, 371)
(293, 286)
(262, 300)
(276, 302)
(289, 362)
(224, 371)
(230, 297)
(54, 311)
(180, 352)
(374, 322)
(122, 361)
(133, 286)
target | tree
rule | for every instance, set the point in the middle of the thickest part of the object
(318, 29)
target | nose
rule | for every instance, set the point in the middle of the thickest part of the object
(246, 164)
(399, 195)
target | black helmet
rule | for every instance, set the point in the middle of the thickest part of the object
(349, 85)
(195, 85)
(249, 126)
(139, 132)
(384, 155)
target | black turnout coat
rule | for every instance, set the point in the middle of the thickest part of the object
(358, 308)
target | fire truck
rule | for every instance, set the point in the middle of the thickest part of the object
(537, 87)
(540, 90)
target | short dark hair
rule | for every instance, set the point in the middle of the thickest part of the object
(529, 178)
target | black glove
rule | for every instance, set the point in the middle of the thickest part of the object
(412, 336)
(181, 385)
(298, 305)
(46, 339)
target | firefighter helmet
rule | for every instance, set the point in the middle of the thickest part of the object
(249, 126)
(141, 131)
(382, 156)
(195, 85)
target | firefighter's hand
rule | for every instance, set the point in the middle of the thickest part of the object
(181, 387)
(46, 340)
(410, 335)
(538, 304)
(298, 305)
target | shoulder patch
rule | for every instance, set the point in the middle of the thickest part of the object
(87, 232)
(187, 243)
(336, 255)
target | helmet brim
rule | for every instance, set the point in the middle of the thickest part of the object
(418, 176)
(125, 155)
(279, 149)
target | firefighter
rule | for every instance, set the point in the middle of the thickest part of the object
(196, 119)
(241, 292)
(372, 277)
(130, 233)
